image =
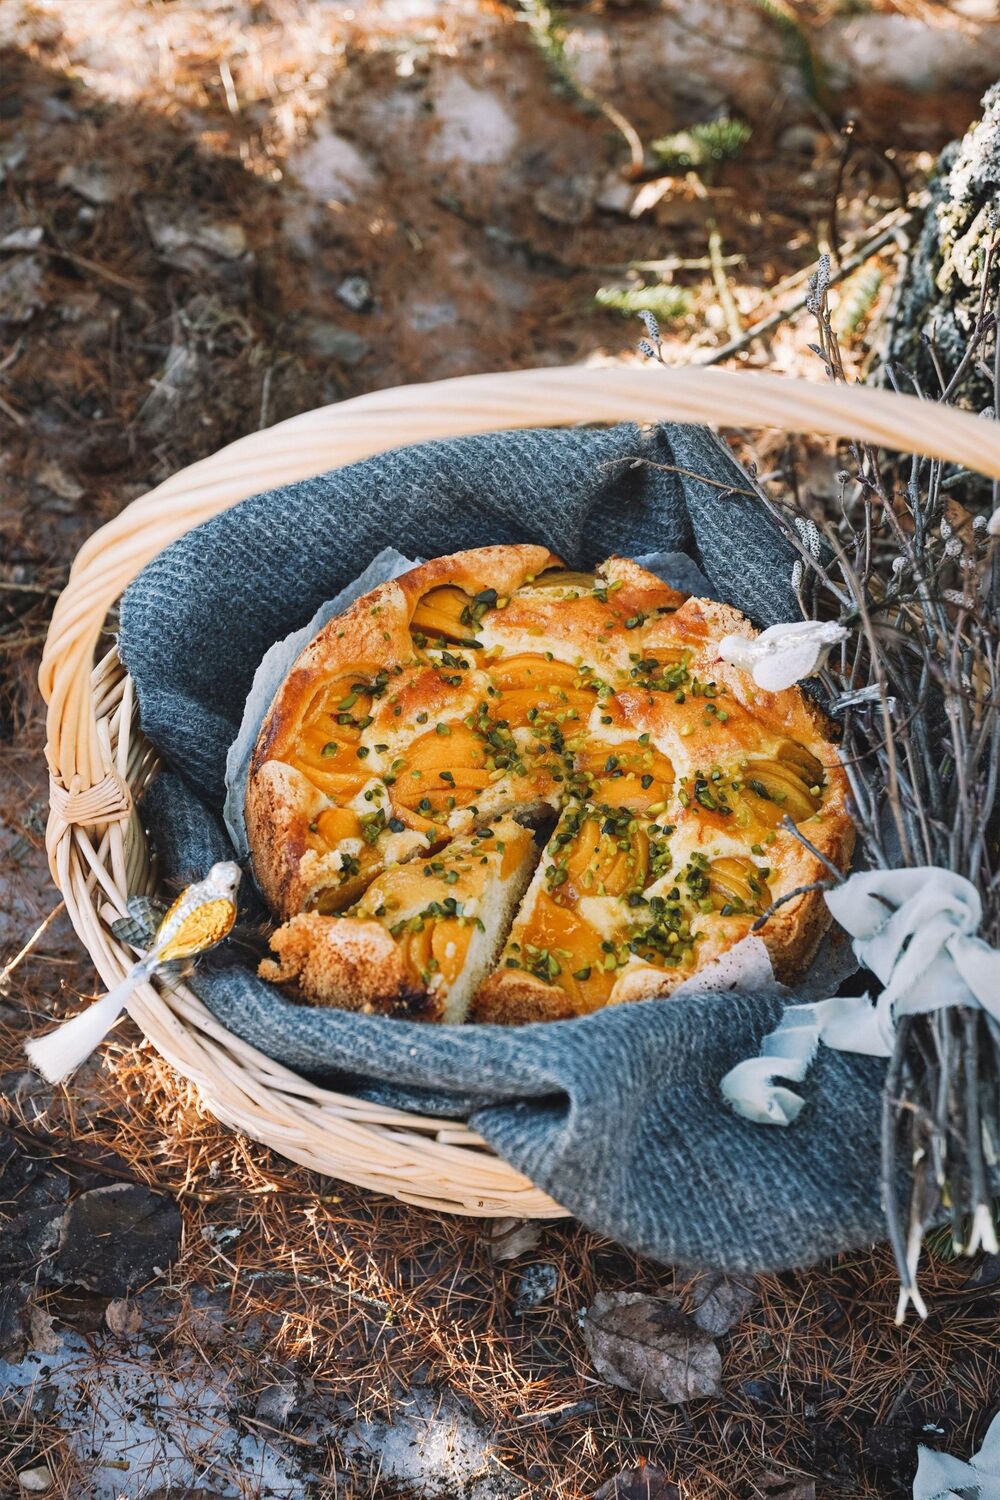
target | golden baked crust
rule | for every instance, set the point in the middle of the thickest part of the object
(364, 972)
(495, 682)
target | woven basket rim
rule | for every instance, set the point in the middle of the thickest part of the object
(99, 761)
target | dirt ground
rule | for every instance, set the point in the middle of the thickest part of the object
(214, 215)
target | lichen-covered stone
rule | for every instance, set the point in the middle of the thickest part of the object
(943, 284)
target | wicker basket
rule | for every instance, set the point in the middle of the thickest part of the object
(99, 762)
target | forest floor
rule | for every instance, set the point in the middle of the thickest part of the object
(214, 215)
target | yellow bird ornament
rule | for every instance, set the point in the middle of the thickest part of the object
(202, 915)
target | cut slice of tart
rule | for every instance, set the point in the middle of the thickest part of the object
(627, 934)
(421, 938)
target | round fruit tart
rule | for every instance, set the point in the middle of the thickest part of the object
(501, 790)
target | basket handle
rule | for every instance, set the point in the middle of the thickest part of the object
(347, 431)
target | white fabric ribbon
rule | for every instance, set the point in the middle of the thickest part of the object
(59, 1053)
(941, 1477)
(847, 1024)
(916, 930)
(784, 654)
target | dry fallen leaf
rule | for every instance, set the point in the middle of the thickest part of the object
(647, 1482)
(37, 1481)
(648, 1345)
(123, 1318)
(509, 1238)
(719, 1302)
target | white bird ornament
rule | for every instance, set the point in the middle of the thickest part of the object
(784, 654)
(202, 915)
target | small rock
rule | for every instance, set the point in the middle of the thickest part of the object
(509, 1238)
(37, 1481)
(537, 1282)
(329, 341)
(114, 1238)
(27, 237)
(21, 294)
(566, 203)
(902, 52)
(97, 184)
(355, 292)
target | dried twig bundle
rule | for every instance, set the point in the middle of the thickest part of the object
(914, 578)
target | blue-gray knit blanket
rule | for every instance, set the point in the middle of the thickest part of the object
(617, 1115)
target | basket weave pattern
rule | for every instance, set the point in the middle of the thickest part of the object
(99, 761)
